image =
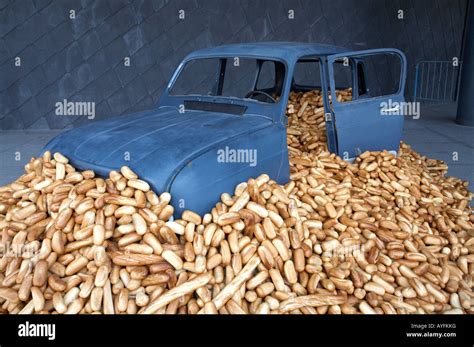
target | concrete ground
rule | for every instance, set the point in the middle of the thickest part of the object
(434, 134)
(16, 149)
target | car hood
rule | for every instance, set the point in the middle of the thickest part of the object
(155, 144)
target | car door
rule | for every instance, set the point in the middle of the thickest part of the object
(373, 119)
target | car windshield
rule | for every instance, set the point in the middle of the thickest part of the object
(231, 77)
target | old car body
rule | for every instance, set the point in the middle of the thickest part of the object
(199, 145)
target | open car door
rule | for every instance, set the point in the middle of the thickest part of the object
(373, 119)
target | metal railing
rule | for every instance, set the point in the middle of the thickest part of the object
(436, 81)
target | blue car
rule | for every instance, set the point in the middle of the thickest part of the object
(221, 119)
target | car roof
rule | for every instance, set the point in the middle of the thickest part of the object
(271, 49)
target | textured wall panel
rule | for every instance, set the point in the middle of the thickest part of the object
(83, 58)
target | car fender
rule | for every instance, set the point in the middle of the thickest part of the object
(198, 185)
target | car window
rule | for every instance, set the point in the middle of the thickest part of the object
(198, 77)
(382, 74)
(307, 75)
(377, 74)
(239, 77)
(343, 73)
(267, 78)
(235, 77)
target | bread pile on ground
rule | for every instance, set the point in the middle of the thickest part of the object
(385, 234)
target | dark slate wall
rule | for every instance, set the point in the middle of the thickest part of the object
(82, 59)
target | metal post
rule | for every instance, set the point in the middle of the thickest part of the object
(465, 113)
